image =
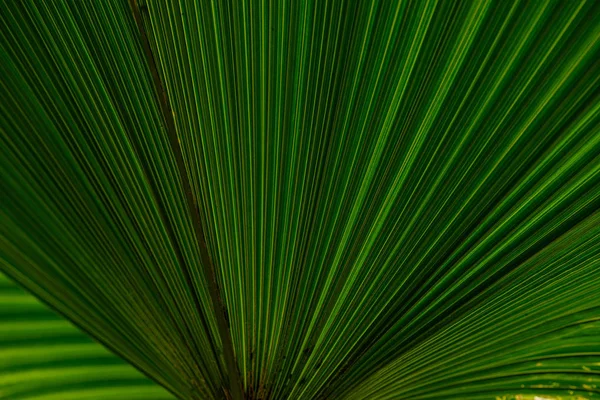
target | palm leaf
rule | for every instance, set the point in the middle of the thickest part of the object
(42, 356)
(306, 200)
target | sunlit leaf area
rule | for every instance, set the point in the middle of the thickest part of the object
(299, 199)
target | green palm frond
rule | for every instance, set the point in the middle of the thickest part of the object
(311, 199)
(44, 357)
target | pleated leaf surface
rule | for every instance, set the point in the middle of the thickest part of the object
(400, 199)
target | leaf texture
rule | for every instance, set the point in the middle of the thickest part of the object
(400, 199)
(94, 218)
(44, 357)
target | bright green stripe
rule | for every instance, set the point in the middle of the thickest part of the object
(44, 357)
(132, 393)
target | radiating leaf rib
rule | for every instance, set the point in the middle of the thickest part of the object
(234, 386)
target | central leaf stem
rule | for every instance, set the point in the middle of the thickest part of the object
(235, 384)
